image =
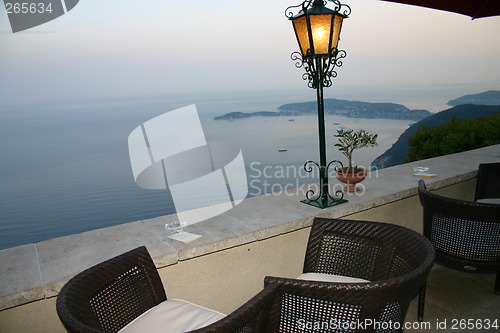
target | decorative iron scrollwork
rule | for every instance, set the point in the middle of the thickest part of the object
(310, 168)
(343, 9)
(336, 168)
(310, 194)
(327, 71)
(297, 57)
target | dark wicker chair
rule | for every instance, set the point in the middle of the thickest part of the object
(108, 296)
(488, 181)
(396, 261)
(465, 234)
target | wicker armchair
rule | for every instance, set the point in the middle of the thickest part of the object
(488, 181)
(465, 234)
(106, 297)
(109, 296)
(394, 259)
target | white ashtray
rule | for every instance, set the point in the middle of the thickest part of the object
(420, 170)
(176, 226)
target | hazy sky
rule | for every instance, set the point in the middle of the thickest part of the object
(127, 49)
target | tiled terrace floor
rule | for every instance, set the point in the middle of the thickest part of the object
(453, 295)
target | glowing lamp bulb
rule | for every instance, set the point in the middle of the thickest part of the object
(319, 33)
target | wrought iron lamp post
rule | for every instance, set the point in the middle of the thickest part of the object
(317, 29)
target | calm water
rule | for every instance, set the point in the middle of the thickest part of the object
(66, 169)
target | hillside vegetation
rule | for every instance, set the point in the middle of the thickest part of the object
(453, 137)
(483, 104)
(398, 152)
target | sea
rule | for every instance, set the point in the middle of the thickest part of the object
(65, 167)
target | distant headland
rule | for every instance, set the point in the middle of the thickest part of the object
(483, 104)
(333, 106)
(491, 97)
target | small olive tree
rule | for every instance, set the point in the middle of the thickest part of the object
(350, 141)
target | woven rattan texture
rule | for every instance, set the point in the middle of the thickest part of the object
(361, 249)
(395, 259)
(465, 234)
(106, 297)
(251, 317)
(488, 181)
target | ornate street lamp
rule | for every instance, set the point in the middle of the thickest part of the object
(317, 29)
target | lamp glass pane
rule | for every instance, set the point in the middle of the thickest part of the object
(337, 26)
(300, 27)
(320, 28)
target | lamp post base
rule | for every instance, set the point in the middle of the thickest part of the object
(323, 199)
(330, 202)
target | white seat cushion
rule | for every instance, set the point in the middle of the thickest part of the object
(173, 316)
(490, 201)
(330, 278)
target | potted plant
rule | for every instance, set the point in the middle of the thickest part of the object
(349, 141)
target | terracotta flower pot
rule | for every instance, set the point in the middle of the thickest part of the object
(351, 179)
